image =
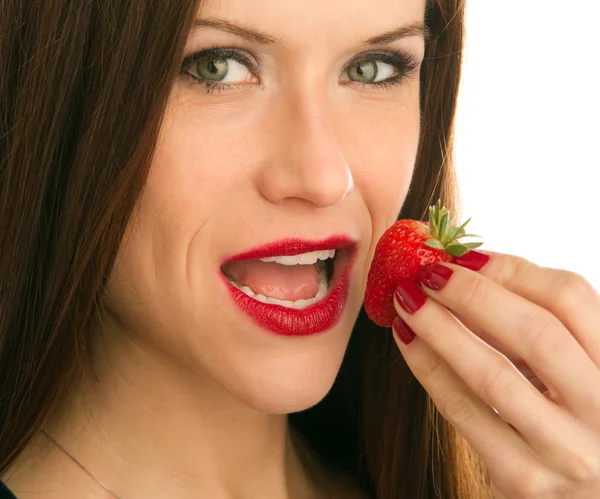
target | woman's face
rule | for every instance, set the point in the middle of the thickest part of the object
(293, 130)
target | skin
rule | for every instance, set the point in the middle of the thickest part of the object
(187, 396)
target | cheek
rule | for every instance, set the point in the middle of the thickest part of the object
(190, 172)
(384, 154)
(194, 181)
(195, 178)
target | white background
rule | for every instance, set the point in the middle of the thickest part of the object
(528, 130)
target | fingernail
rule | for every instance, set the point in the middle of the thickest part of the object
(403, 331)
(434, 276)
(474, 260)
(409, 296)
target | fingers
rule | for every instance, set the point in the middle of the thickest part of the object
(490, 340)
(566, 295)
(466, 378)
(553, 441)
(488, 374)
(530, 331)
(501, 448)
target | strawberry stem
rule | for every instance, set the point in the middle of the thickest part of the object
(444, 235)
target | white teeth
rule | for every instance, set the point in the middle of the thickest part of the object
(299, 304)
(303, 259)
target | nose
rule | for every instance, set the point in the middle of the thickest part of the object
(308, 163)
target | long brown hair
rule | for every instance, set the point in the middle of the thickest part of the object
(83, 89)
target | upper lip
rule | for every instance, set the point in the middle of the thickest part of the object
(293, 246)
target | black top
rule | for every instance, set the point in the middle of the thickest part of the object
(5, 493)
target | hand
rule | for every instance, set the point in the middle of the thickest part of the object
(523, 340)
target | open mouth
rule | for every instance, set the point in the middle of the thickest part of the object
(292, 287)
(291, 281)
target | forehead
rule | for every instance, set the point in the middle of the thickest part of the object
(331, 22)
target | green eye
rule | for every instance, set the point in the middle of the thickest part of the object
(365, 72)
(212, 69)
(372, 71)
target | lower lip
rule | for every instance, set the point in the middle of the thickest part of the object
(314, 319)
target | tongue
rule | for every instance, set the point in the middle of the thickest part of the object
(270, 279)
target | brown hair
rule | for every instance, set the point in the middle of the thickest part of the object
(82, 94)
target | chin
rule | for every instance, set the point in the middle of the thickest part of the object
(280, 397)
(283, 384)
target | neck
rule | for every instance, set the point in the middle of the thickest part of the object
(148, 429)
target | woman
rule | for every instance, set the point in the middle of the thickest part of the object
(151, 153)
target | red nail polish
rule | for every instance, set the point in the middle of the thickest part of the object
(474, 260)
(409, 296)
(403, 331)
(434, 276)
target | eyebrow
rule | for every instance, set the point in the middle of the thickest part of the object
(253, 35)
(414, 29)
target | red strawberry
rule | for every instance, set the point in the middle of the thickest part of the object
(406, 247)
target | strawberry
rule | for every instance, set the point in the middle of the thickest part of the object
(405, 248)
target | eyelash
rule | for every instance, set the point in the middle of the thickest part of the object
(404, 63)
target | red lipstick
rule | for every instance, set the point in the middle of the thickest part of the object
(316, 318)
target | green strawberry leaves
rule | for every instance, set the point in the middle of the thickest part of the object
(435, 243)
(445, 235)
